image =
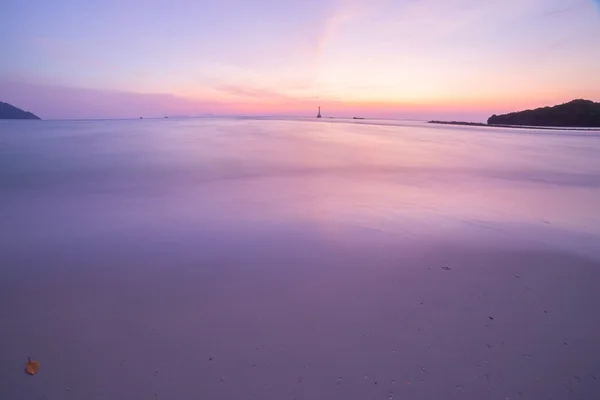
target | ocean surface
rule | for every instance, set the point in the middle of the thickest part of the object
(298, 259)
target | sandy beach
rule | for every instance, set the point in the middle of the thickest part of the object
(236, 259)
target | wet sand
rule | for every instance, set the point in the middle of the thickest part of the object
(304, 320)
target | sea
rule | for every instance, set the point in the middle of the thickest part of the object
(272, 258)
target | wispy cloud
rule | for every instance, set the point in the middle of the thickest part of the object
(59, 102)
(560, 11)
(345, 12)
(254, 93)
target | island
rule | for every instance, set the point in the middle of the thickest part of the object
(577, 114)
(8, 111)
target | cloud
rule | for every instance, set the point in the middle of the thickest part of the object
(63, 102)
(295, 92)
(252, 93)
(342, 15)
(560, 11)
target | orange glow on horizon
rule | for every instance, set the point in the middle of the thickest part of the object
(290, 106)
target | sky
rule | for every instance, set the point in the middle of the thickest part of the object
(414, 59)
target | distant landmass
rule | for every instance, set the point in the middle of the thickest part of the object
(8, 111)
(576, 113)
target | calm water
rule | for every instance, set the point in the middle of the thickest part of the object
(94, 180)
(270, 259)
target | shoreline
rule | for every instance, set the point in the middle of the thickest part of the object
(551, 128)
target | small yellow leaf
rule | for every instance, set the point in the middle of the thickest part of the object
(32, 367)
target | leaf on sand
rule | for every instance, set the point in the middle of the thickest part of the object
(32, 367)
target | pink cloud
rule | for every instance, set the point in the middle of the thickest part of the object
(58, 102)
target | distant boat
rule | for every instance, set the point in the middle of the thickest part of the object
(357, 118)
(319, 114)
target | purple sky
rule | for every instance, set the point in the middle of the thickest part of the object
(386, 58)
